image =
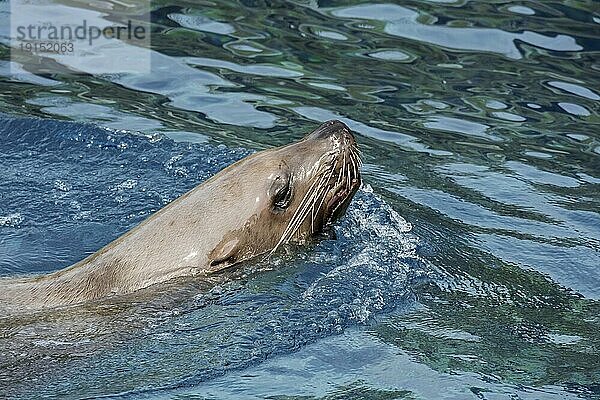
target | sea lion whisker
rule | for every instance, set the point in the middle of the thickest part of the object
(312, 217)
(326, 189)
(322, 202)
(338, 179)
(357, 163)
(322, 195)
(294, 220)
(316, 209)
(344, 165)
(291, 227)
(321, 189)
(357, 154)
(348, 173)
(309, 204)
(301, 213)
(297, 218)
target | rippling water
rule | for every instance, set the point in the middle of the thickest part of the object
(467, 266)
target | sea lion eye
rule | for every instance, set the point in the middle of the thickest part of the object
(282, 192)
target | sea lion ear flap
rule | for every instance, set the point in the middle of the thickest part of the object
(223, 255)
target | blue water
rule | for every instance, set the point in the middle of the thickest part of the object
(466, 267)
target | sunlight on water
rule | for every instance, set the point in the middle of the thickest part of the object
(466, 267)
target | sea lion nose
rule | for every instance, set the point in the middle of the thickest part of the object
(331, 128)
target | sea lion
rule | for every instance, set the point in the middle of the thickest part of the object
(272, 197)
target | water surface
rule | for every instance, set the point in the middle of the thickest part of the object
(467, 267)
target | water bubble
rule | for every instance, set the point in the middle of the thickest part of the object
(11, 220)
(62, 185)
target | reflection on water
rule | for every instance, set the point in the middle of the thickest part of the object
(478, 124)
(403, 22)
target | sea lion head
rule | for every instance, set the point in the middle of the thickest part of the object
(290, 193)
